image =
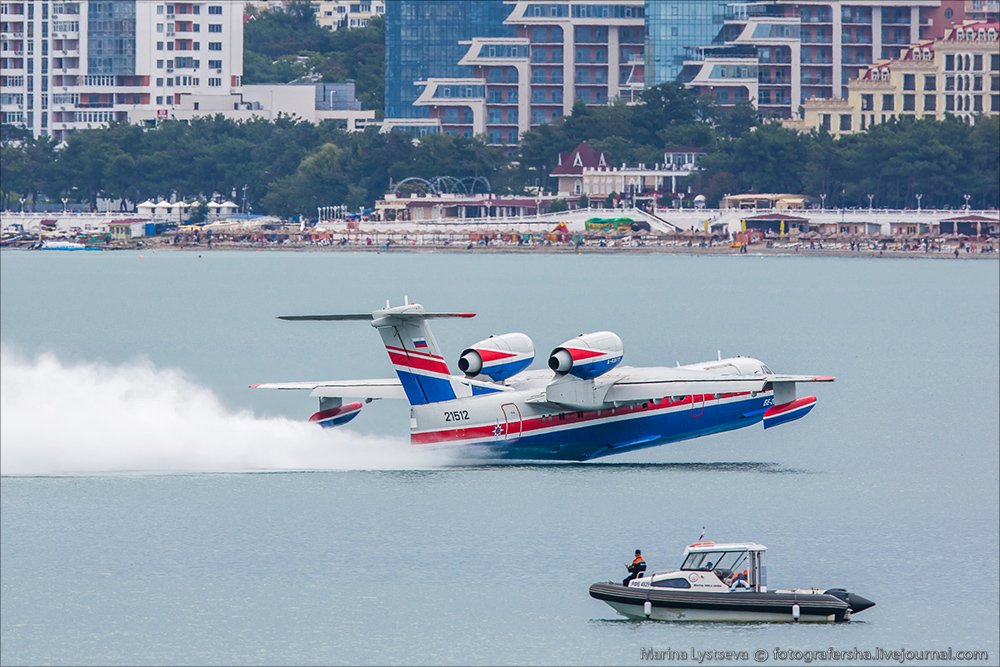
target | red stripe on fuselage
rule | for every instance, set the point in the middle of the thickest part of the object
(561, 420)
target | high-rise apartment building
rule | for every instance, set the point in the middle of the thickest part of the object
(563, 52)
(66, 66)
(422, 41)
(778, 54)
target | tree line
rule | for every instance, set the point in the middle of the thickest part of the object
(292, 167)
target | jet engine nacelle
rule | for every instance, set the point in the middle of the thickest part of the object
(587, 355)
(498, 357)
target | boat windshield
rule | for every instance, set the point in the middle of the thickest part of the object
(731, 561)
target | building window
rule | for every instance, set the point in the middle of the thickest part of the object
(867, 102)
(845, 122)
(977, 102)
(215, 46)
(930, 82)
(949, 62)
(888, 103)
(214, 64)
(215, 27)
(159, 99)
(909, 82)
(159, 81)
(977, 61)
(214, 82)
(994, 102)
(159, 64)
(215, 9)
(930, 103)
(949, 103)
(909, 102)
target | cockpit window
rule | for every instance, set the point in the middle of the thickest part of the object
(678, 582)
(766, 370)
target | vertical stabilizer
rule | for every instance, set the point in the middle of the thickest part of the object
(415, 354)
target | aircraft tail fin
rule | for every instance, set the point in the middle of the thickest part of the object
(415, 354)
(412, 349)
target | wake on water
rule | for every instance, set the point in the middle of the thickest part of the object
(62, 418)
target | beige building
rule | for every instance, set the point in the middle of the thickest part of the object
(958, 75)
(334, 14)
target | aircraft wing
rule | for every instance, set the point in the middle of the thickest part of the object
(379, 388)
(628, 390)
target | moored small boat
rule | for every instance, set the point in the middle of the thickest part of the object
(725, 582)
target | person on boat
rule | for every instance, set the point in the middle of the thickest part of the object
(637, 567)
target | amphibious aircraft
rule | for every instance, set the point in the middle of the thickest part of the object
(584, 406)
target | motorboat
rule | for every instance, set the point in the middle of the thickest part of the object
(725, 582)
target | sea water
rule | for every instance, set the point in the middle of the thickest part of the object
(155, 510)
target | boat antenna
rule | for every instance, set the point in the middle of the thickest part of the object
(702, 534)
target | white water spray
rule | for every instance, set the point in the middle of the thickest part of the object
(58, 418)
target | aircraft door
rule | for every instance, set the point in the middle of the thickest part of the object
(697, 405)
(513, 418)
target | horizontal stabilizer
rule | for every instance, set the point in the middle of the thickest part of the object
(370, 316)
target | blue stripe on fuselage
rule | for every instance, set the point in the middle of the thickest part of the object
(617, 436)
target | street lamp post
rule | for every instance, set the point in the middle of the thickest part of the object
(918, 203)
(870, 198)
(822, 200)
(681, 195)
(64, 200)
(967, 201)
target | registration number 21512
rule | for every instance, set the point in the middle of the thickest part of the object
(456, 415)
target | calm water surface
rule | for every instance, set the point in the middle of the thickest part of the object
(888, 488)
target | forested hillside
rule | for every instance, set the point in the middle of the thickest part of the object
(281, 47)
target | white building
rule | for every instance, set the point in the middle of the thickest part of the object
(67, 66)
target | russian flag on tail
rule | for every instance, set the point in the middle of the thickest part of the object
(420, 342)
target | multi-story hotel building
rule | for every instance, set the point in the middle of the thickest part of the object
(957, 75)
(563, 52)
(780, 53)
(66, 66)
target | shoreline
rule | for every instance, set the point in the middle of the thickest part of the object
(555, 249)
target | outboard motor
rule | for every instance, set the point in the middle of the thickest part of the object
(498, 357)
(588, 355)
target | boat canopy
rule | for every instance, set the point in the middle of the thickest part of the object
(730, 562)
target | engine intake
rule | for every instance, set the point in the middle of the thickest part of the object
(588, 355)
(498, 357)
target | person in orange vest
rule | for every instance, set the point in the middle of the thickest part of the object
(637, 567)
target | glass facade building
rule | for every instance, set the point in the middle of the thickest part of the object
(111, 37)
(672, 27)
(422, 41)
